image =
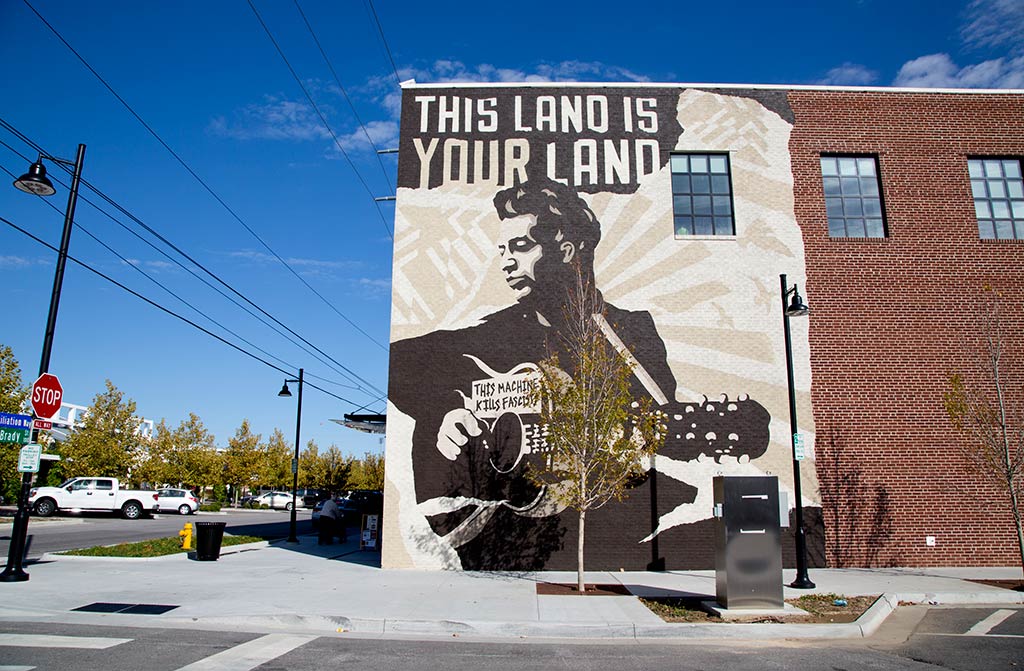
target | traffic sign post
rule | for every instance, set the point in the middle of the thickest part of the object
(47, 394)
(28, 458)
(15, 428)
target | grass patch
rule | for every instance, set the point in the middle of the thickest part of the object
(821, 609)
(157, 547)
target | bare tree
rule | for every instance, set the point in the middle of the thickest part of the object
(987, 415)
(598, 436)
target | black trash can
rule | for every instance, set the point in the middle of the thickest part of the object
(209, 536)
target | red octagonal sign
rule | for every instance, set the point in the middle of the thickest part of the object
(46, 396)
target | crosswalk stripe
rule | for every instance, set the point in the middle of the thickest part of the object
(990, 622)
(250, 655)
(48, 641)
(16, 668)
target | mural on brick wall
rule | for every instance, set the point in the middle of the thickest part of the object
(504, 193)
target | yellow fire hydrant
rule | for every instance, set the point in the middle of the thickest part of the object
(186, 536)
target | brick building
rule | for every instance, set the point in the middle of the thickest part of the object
(890, 209)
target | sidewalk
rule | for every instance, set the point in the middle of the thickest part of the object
(339, 590)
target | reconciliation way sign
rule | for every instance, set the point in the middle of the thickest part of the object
(15, 428)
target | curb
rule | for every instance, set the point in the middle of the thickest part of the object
(229, 550)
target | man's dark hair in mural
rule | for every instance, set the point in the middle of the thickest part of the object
(475, 435)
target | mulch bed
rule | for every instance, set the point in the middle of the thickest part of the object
(562, 589)
(1015, 585)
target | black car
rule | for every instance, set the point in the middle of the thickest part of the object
(367, 501)
(348, 514)
(311, 497)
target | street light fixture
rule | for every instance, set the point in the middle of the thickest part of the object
(286, 392)
(796, 308)
(36, 182)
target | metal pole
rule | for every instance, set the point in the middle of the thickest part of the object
(292, 536)
(14, 572)
(802, 580)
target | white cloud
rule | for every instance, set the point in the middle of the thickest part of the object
(445, 71)
(20, 262)
(273, 119)
(373, 287)
(383, 134)
(994, 23)
(939, 71)
(301, 264)
(849, 74)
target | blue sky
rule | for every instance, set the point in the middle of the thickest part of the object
(208, 80)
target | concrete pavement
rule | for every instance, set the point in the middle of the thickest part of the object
(339, 590)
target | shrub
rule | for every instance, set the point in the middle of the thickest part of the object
(210, 507)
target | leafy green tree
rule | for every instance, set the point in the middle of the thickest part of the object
(368, 472)
(598, 436)
(13, 398)
(109, 442)
(336, 469)
(987, 411)
(311, 466)
(183, 456)
(276, 469)
(243, 458)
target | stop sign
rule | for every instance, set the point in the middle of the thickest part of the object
(46, 396)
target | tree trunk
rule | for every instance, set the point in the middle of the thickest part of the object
(579, 555)
(1015, 504)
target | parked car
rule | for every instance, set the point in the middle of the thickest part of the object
(182, 500)
(310, 497)
(367, 501)
(93, 494)
(280, 500)
(349, 514)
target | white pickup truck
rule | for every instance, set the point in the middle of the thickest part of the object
(93, 494)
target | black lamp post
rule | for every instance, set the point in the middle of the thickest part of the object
(292, 537)
(36, 182)
(795, 308)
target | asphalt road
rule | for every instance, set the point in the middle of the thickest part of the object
(958, 639)
(71, 531)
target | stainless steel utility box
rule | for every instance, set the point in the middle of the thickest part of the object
(748, 544)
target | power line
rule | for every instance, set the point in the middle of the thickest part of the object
(166, 310)
(337, 80)
(350, 374)
(323, 119)
(347, 372)
(384, 41)
(206, 186)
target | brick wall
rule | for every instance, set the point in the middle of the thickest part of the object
(891, 317)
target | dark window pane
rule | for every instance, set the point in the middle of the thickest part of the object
(703, 226)
(985, 229)
(837, 227)
(702, 204)
(869, 186)
(721, 205)
(1004, 229)
(681, 204)
(831, 186)
(723, 225)
(680, 184)
(855, 228)
(720, 184)
(875, 228)
(834, 207)
(852, 207)
(684, 226)
(872, 207)
(701, 183)
(851, 186)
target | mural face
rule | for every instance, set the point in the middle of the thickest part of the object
(504, 196)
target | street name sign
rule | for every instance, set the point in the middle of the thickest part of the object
(42, 424)
(799, 453)
(28, 458)
(47, 394)
(15, 428)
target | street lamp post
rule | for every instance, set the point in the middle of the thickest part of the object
(796, 308)
(292, 537)
(36, 182)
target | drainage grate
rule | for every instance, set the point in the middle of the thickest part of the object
(127, 608)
